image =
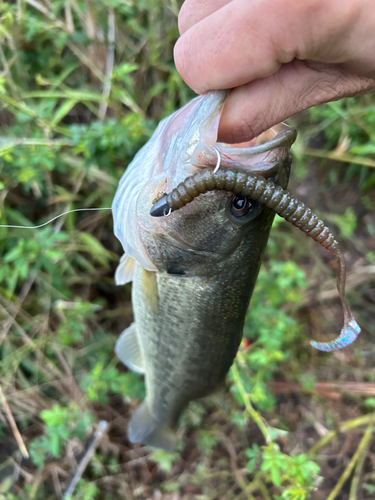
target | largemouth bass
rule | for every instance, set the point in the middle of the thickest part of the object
(194, 217)
(193, 272)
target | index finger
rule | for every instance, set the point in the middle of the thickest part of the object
(193, 11)
(250, 39)
(234, 45)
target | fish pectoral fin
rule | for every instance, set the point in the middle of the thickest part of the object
(129, 351)
(125, 270)
(145, 428)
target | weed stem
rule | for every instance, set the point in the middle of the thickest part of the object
(357, 472)
(346, 426)
(249, 407)
(349, 468)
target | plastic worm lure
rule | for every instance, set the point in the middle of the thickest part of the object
(284, 204)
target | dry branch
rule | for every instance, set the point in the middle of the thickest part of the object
(13, 425)
(99, 433)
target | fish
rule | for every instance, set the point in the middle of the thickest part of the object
(194, 216)
(193, 270)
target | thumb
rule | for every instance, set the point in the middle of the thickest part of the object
(252, 108)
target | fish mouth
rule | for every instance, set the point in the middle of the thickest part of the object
(263, 155)
(266, 156)
(280, 135)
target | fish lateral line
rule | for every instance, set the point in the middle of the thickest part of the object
(280, 201)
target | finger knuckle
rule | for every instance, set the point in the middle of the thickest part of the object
(184, 18)
(335, 83)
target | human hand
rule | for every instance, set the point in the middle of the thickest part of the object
(280, 56)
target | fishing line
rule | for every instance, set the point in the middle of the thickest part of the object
(57, 217)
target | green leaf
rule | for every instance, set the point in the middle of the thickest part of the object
(370, 402)
(55, 445)
(275, 475)
(63, 110)
(164, 459)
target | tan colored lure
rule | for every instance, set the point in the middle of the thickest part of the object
(284, 204)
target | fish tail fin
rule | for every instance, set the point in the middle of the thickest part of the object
(145, 428)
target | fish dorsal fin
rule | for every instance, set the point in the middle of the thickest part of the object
(128, 349)
(125, 270)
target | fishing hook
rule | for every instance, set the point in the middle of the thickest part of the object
(218, 161)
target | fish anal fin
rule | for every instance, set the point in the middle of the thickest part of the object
(125, 270)
(128, 349)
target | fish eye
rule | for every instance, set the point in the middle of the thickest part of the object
(243, 208)
(240, 205)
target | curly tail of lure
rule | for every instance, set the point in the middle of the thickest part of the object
(284, 204)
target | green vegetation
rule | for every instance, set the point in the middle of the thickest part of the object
(82, 86)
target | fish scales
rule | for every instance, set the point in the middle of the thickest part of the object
(194, 271)
(193, 335)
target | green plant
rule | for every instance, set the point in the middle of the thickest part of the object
(85, 490)
(164, 459)
(207, 440)
(270, 329)
(102, 380)
(62, 424)
(348, 126)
